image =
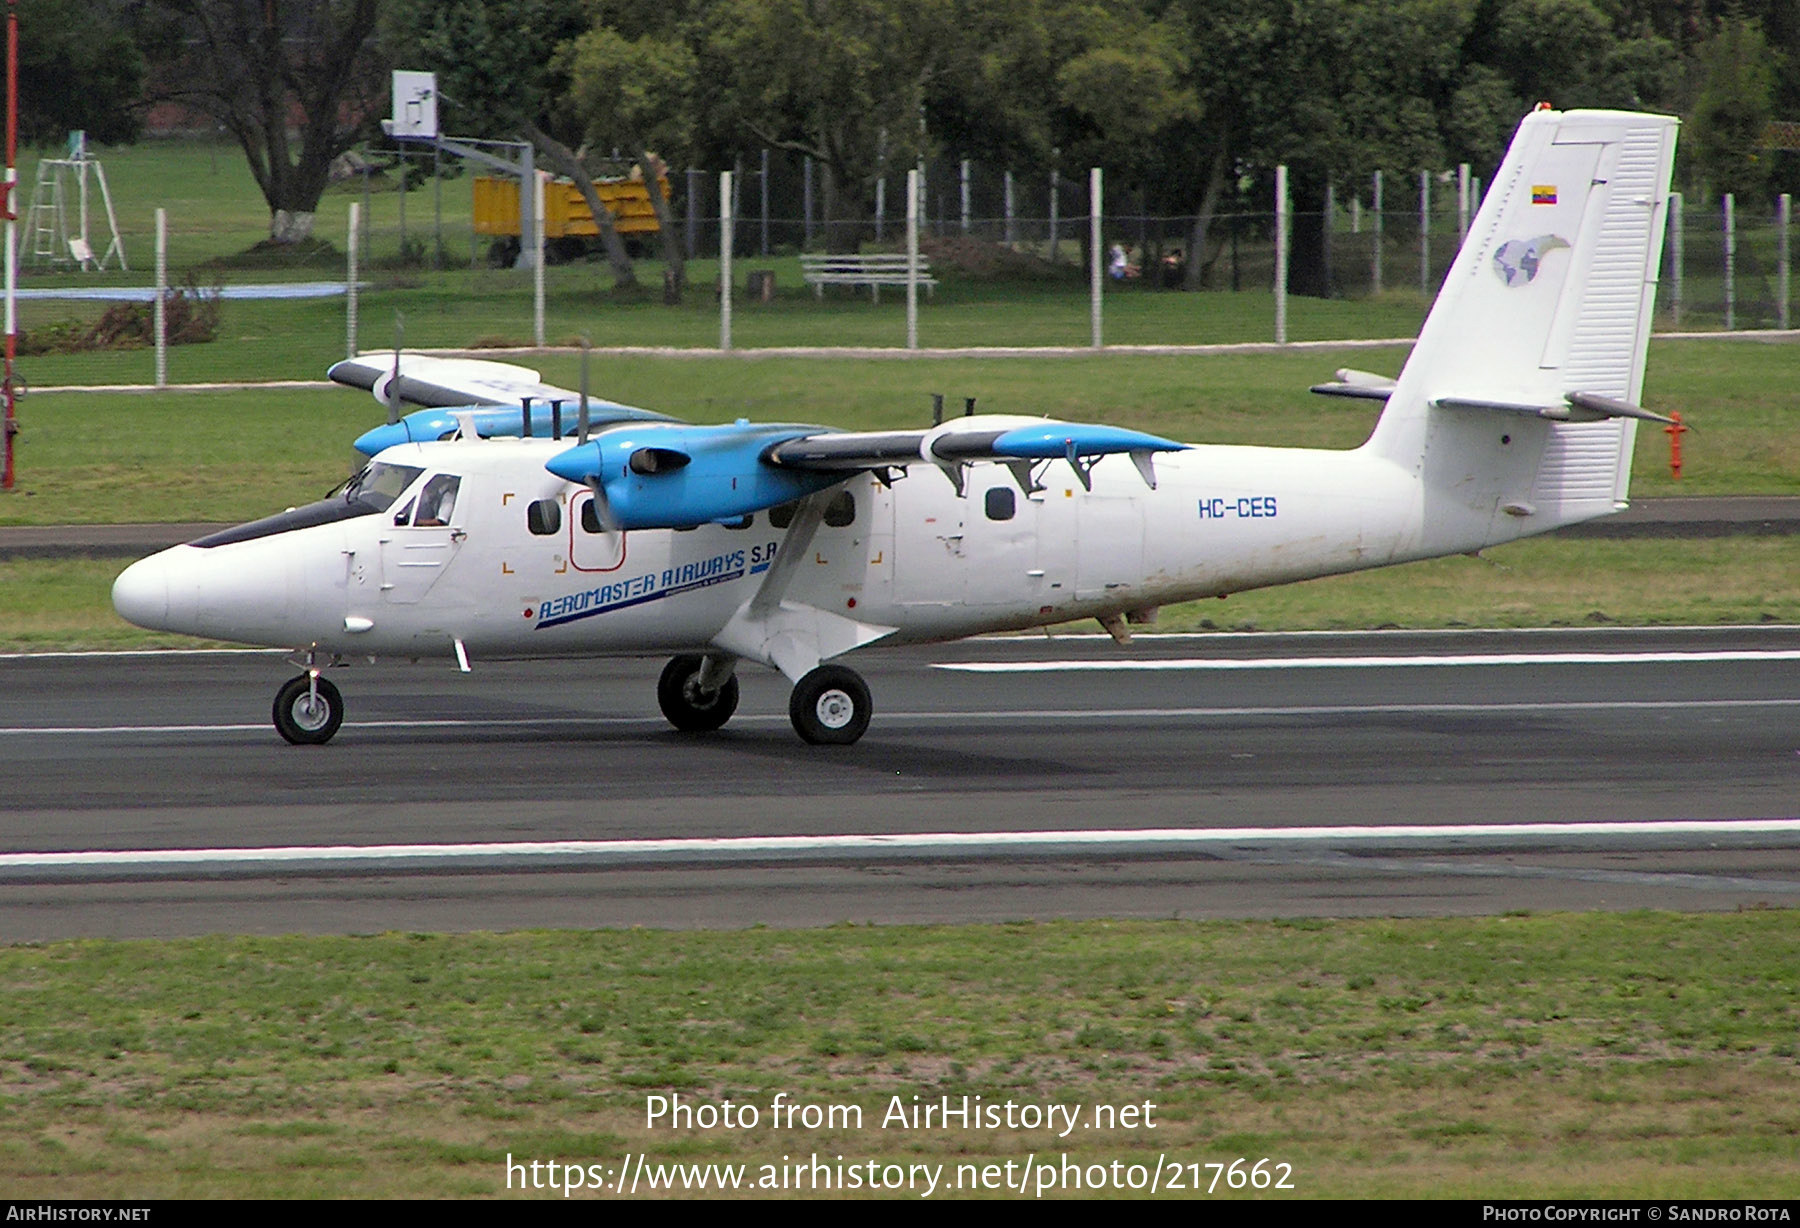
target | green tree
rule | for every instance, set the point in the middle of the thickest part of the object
(637, 94)
(499, 73)
(844, 82)
(1733, 111)
(78, 68)
(296, 82)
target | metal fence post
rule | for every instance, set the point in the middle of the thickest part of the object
(1424, 232)
(350, 282)
(1677, 253)
(965, 196)
(1281, 253)
(1730, 263)
(1783, 209)
(1375, 228)
(537, 260)
(806, 199)
(162, 292)
(1462, 203)
(1096, 257)
(693, 213)
(912, 258)
(725, 228)
(1007, 233)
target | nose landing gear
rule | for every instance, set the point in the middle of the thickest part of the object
(308, 710)
(685, 697)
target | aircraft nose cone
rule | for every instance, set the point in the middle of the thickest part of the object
(141, 593)
(386, 436)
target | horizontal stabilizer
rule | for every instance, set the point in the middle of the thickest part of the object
(1576, 407)
(1362, 385)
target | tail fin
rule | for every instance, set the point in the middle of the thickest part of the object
(1551, 295)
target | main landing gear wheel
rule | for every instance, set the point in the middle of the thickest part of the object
(688, 708)
(307, 715)
(830, 706)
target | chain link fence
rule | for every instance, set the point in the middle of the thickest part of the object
(1011, 254)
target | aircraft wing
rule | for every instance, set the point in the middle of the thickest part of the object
(667, 475)
(531, 407)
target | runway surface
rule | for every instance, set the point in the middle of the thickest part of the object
(1021, 740)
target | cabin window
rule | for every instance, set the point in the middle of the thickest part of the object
(543, 517)
(841, 511)
(436, 502)
(782, 515)
(1000, 504)
(378, 485)
(590, 517)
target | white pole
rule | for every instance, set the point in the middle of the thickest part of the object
(965, 196)
(1730, 263)
(1009, 209)
(537, 260)
(1678, 254)
(726, 225)
(912, 259)
(162, 290)
(1096, 257)
(1375, 226)
(1783, 208)
(1424, 232)
(350, 284)
(1055, 182)
(1281, 253)
(1462, 202)
(880, 206)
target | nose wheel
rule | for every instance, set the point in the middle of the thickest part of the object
(308, 710)
(689, 707)
(830, 706)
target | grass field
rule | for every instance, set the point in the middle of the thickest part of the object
(1520, 1056)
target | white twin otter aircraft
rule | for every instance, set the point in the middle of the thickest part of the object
(503, 521)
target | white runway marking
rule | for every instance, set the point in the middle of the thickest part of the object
(1033, 714)
(1371, 662)
(340, 857)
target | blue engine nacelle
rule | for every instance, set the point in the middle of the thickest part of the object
(666, 477)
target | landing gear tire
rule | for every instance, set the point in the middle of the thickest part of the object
(305, 716)
(830, 706)
(688, 708)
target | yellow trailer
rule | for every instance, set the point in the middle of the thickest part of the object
(566, 213)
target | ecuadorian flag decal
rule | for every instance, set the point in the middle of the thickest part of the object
(1543, 194)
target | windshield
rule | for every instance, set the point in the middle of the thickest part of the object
(378, 485)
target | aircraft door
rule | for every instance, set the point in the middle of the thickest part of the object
(421, 538)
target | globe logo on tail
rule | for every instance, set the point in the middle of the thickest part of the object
(1518, 260)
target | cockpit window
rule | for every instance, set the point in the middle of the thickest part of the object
(437, 501)
(378, 485)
